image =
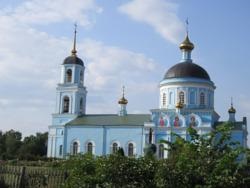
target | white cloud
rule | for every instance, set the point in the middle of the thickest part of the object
(30, 69)
(160, 14)
(47, 11)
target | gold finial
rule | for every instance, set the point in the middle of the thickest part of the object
(186, 44)
(232, 109)
(123, 100)
(74, 44)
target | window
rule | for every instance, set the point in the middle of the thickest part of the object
(90, 147)
(161, 151)
(60, 150)
(130, 149)
(66, 104)
(81, 77)
(181, 97)
(69, 76)
(81, 104)
(164, 99)
(202, 99)
(171, 98)
(75, 148)
(114, 147)
(192, 97)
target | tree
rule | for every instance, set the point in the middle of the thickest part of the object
(210, 160)
(33, 147)
(12, 143)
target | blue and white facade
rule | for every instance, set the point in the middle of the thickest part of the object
(186, 96)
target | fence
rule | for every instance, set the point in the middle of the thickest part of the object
(31, 177)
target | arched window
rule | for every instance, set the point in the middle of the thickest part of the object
(192, 97)
(60, 150)
(81, 104)
(130, 149)
(181, 97)
(69, 76)
(202, 99)
(81, 77)
(171, 98)
(90, 147)
(161, 151)
(164, 99)
(65, 104)
(114, 147)
(75, 148)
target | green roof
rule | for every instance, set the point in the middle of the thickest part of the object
(110, 120)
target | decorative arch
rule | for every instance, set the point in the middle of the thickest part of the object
(90, 147)
(66, 103)
(131, 148)
(164, 99)
(193, 120)
(161, 151)
(177, 120)
(75, 147)
(114, 146)
(81, 77)
(69, 76)
(163, 120)
(81, 104)
(171, 98)
(192, 97)
(182, 97)
(202, 98)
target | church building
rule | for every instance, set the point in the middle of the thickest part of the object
(186, 100)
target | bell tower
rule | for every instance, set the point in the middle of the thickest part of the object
(70, 101)
(71, 92)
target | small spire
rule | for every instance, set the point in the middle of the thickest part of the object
(232, 109)
(187, 26)
(74, 44)
(123, 100)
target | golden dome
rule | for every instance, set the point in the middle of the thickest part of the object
(232, 110)
(179, 105)
(123, 101)
(186, 44)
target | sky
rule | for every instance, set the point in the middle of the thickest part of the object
(122, 42)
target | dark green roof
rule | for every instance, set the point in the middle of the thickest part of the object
(110, 120)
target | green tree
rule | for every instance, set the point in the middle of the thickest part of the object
(33, 147)
(12, 141)
(210, 160)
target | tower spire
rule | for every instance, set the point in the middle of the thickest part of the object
(231, 112)
(74, 44)
(187, 26)
(123, 103)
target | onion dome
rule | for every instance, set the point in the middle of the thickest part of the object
(187, 70)
(73, 59)
(231, 110)
(186, 44)
(123, 100)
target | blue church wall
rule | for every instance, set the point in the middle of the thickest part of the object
(124, 135)
(103, 137)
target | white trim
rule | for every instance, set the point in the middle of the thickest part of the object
(78, 146)
(93, 146)
(134, 147)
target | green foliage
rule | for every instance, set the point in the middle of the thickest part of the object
(209, 160)
(31, 148)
